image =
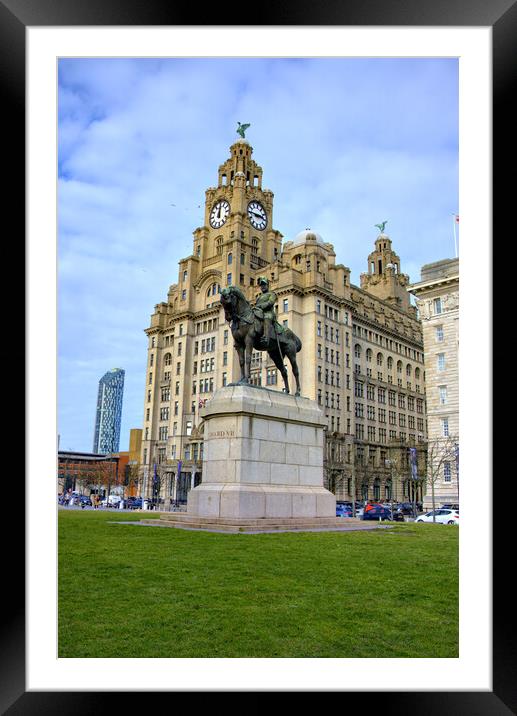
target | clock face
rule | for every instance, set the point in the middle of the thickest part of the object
(220, 212)
(257, 215)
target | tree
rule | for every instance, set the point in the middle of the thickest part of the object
(102, 475)
(440, 451)
(84, 477)
(131, 477)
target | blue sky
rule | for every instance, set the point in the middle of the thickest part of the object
(344, 144)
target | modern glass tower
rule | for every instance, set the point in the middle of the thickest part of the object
(109, 412)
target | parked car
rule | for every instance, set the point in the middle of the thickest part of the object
(450, 506)
(443, 517)
(111, 501)
(378, 512)
(405, 508)
(134, 503)
(84, 501)
(343, 509)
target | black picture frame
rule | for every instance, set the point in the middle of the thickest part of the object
(15, 17)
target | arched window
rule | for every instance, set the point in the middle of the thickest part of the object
(379, 358)
(390, 363)
(399, 366)
(167, 359)
(368, 355)
(417, 373)
(219, 245)
(408, 370)
(357, 350)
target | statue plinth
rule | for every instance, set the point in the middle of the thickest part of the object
(263, 457)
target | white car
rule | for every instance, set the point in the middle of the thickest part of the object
(442, 516)
(113, 501)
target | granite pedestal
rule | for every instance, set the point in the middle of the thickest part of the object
(263, 458)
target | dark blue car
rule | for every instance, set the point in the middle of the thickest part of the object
(343, 509)
(381, 513)
(134, 503)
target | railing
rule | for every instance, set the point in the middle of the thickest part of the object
(258, 262)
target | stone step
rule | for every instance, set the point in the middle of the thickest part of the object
(185, 521)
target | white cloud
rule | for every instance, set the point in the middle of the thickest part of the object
(343, 145)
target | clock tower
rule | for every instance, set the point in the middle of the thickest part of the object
(238, 235)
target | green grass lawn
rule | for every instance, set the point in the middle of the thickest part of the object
(131, 591)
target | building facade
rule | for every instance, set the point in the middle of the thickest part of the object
(437, 297)
(109, 412)
(88, 473)
(362, 354)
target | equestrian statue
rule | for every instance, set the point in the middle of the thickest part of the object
(256, 327)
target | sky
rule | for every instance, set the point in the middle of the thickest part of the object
(344, 144)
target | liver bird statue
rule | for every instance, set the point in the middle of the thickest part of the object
(381, 226)
(242, 128)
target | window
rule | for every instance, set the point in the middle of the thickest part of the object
(228, 279)
(439, 333)
(167, 360)
(437, 304)
(230, 258)
(225, 338)
(445, 427)
(441, 361)
(184, 294)
(447, 472)
(442, 391)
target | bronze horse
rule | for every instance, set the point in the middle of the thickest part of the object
(247, 333)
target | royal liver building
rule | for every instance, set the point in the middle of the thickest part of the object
(362, 358)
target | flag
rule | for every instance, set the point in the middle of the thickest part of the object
(413, 463)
